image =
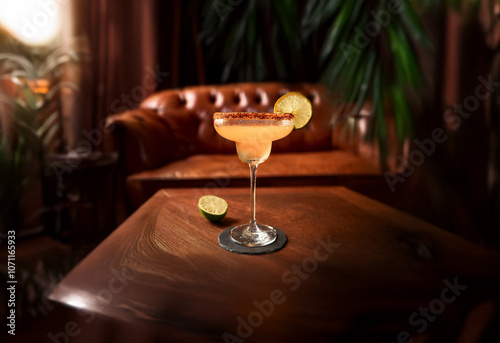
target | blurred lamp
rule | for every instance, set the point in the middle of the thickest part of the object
(39, 86)
(33, 22)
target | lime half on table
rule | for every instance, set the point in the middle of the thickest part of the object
(212, 207)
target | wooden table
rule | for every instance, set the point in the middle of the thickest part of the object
(353, 270)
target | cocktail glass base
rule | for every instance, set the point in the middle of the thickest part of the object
(257, 235)
(229, 244)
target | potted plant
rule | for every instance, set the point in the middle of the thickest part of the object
(30, 124)
(363, 51)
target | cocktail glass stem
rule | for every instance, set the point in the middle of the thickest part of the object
(253, 180)
(253, 234)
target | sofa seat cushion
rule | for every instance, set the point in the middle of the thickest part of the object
(331, 167)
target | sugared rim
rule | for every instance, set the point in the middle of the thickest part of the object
(253, 115)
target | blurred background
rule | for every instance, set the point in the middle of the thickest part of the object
(66, 65)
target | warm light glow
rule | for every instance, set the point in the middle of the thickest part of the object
(39, 86)
(78, 299)
(34, 22)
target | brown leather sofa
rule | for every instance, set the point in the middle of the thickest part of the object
(169, 141)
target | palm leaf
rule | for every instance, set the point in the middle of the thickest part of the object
(49, 135)
(309, 39)
(30, 98)
(402, 119)
(316, 14)
(378, 108)
(364, 87)
(336, 29)
(50, 121)
(55, 60)
(411, 21)
(60, 85)
(404, 59)
(21, 61)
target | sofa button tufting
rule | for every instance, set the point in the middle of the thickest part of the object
(213, 97)
(258, 98)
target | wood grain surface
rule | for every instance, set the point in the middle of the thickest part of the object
(353, 270)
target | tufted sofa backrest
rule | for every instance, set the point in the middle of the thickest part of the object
(188, 113)
(173, 124)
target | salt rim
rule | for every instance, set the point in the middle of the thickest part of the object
(253, 115)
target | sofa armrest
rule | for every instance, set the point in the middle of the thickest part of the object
(142, 138)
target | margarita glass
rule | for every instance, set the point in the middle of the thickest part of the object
(253, 134)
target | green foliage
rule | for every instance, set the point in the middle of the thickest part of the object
(43, 64)
(23, 144)
(370, 59)
(328, 41)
